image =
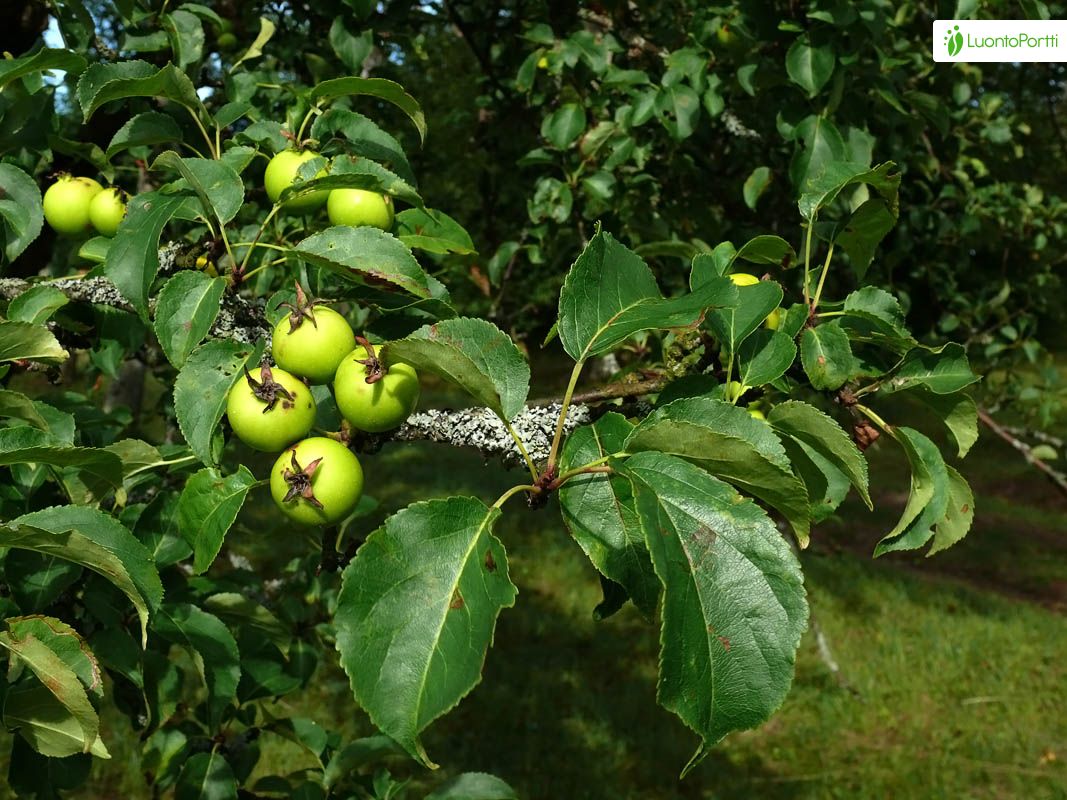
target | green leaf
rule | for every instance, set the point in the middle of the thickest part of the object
(208, 506)
(365, 138)
(36, 305)
(755, 185)
(928, 499)
(807, 425)
(475, 355)
(732, 326)
(16, 405)
(95, 249)
(610, 294)
(358, 754)
(827, 356)
(731, 445)
(255, 50)
(107, 532)
(826, 485)
(942, 371)
(564, 125)
(374, 87)
(59, 679)
(809, 67)
(957, 411)
(473, 786)
(433, 231)
(407, 669)
(837, 175)
(206, 776)
(266, 135)
(365, 255)
(678, 109)
(21, 209)
(186, 36)
(79, 548)
(242, 613)
(21, 340)
(67, 644)
(352, 50)
(959, 514)
(136, 456)
(133, 258)
(217, 184)
(864, 231)
(600, 512)
(201, 388)
(46, 722)
(764, 356)
(734, 606)
(874, 315)
(213, 649)
(185, 311)
(767, 249)
(44, 59)
(822, 146)
(26, 445)
(104, 83)
(353, 172)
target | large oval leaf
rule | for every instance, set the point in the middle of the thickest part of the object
(416, 613)
(600, 512)
(610, 294)
(21, 210)
(366, 255)
(731, 445)
(734, 606)
(375, 87)
(475, 355)
(185, 311)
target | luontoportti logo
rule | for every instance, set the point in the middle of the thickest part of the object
(954, 41)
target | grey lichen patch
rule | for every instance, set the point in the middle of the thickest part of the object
(482, 430)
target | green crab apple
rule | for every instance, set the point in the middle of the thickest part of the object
(317, 481)
(281, 174)
(270, 409)
(66, 204)
(106, 210)
(360, 207)
(312, 340)
(371, 396)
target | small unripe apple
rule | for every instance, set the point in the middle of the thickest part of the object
(106, 211)
(281, 174)
(66, 204)
(360, 207)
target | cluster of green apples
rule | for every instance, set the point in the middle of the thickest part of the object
(317, 480)
(73, 206)
(343, 206)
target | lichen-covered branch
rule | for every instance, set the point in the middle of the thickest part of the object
(238, 318)
(477, 428)
(482, 430)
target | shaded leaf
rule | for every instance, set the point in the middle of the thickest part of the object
(734, 606)
(407, 669)
(600, 512)
(208, 506)
(185, 311)
(473, 354)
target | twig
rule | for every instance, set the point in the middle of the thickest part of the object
(1059, 480)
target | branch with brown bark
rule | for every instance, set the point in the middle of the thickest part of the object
(1057, 478)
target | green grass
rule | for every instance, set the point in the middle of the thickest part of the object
(958, 663)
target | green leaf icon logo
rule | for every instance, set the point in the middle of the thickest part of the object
(954, 41)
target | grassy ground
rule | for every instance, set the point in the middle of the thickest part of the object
(956, 665)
